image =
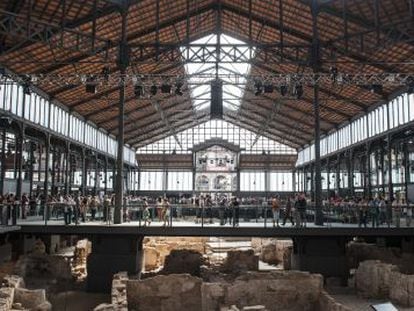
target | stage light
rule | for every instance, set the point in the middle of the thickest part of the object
(138, 91)
(334, 74)
(258, 88)
(105, 73)
(153, 90)
(90, 85)
(268, 88)
(376, 88)
(166, 88)
(26, 89)
(298, 91)
(90, 88)
(410, 85)
(178, 90)
(283, 90)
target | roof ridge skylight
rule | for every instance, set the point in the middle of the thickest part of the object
(202, 73)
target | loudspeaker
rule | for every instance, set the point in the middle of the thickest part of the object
(216, 107)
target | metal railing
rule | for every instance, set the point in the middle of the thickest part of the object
(191, 215)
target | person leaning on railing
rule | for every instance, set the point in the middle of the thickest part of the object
(396, 212)
(409, 214)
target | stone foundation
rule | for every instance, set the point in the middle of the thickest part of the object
(43, 266)
(183, 261)
(357, 252)
(13, 296)
(328, 303)
(375, 279)
(157, 248)
(273, 290)
(239, 261)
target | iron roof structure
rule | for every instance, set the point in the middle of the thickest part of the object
(46, 38)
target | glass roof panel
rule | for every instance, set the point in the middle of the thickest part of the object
(232, 74)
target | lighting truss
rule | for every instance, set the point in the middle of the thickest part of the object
(306, 79)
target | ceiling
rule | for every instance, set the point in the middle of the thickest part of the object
(74, 37)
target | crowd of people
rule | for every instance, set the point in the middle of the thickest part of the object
(378, 210)
(205, 209)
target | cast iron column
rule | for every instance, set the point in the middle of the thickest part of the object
(47, 157)
(123, 62)
(20, 165)
(316, 109)
(3, 161)
(389, 155)
(67, 185)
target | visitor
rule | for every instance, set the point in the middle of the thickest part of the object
(288, 212)
(222, 211)
(374, 212)
(209, 208)
(24, 206)
(159, 208)
(166, 213)
(396, 212)
(276, 210)
(300, 206)
(93, 205)
(83, 207)
(67, 213)
(409, 214)
(146, 216)
(236, 212)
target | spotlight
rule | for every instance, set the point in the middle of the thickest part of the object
(268, 88)
(283, 90)
(90, 85)
(26, 89)
(166, 88)
(105, 73)
(90, 88)
(376, 88)
(259, 88)
(178, 90)
(298, 91)
(410, 84)
(153, 90)
(138, 91)
(334, 74)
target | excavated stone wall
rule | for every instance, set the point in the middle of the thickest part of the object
(273, 251)
(375, 279)
(157, 248)
(288, 291)
(13, 296)
(358, 252)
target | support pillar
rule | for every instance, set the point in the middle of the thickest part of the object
(123, 62)
(323, 255)
(112, 254)
(67, 179)
(19, 156)
(3, 161)
(316, 66)
(389, 155)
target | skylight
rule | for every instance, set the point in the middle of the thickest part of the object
(231, 73)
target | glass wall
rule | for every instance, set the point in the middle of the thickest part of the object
(180, 181)
(151, 180)
(218, 129)
(399, 112)
(280, 181)
(19, 101)
(252, 181)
